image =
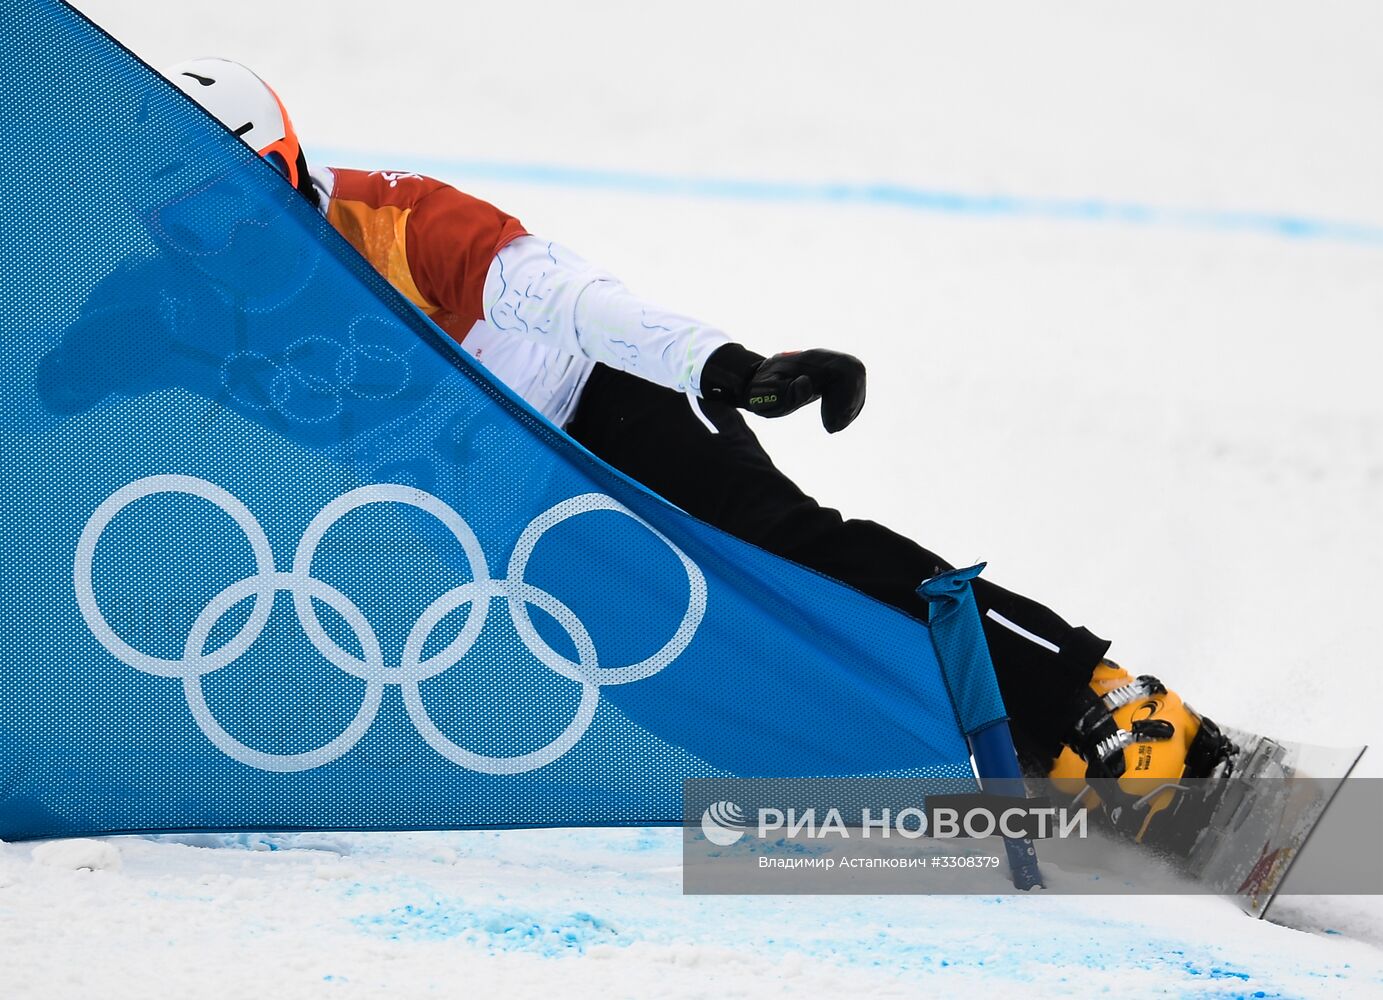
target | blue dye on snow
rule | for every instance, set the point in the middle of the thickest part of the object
(495, 929)
(1214, 972)
(1228, 974)
(959, 203)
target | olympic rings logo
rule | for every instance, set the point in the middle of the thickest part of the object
(197, 661)
(314, 377)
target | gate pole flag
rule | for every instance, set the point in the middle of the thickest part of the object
(279, 557)
(969, 674)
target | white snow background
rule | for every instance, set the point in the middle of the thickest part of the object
(1131, 386)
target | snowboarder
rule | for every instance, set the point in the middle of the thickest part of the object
(659, 396)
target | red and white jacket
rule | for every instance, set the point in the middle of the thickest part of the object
(532, 312)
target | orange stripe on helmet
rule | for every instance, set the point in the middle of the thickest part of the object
(288, 147)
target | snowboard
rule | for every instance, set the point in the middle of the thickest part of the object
(1262, 815)
(1236, 833)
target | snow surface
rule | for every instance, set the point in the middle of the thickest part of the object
(1148, 366)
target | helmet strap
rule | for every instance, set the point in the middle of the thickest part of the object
(305, 186)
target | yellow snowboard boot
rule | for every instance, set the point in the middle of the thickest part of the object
(1132, 749)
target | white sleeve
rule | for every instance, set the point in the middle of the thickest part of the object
(544, 292)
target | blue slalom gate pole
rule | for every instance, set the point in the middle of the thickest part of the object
(969, 673)
(996, 761)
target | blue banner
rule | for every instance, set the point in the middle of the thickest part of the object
(277, 556)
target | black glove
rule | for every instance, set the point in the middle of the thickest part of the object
(776, 386)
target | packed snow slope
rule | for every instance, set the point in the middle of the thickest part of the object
(1118, 275)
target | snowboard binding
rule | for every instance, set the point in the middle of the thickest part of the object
(1148, 766)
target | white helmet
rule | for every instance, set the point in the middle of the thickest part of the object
(247, 106)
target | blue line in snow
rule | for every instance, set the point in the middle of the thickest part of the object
(1090, 210)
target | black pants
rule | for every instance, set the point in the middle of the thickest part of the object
(728, 480)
